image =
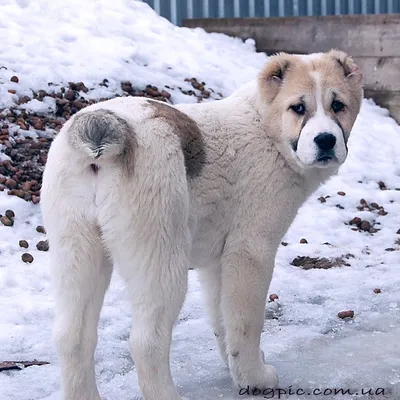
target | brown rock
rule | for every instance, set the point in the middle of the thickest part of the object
(79, 86)
(126, 87)
(322, 199)
(165, 94)
(35, 199)
(14, 79)
(365, 226)
(6, 221)
(12, 91)
(341, 193)
(41, 94)
(27, 186)
(40, 229)
(70, 95)
(19, 193)
(39, 125)
(43, 245)
(303, 241)
(273, 297)
(27, 258)
(382, 185)
(377, 290)
(355, 221)
(61, 102)
(346, 314)
(152, 91)
(22, 125)
(10, 214)
(78, 104)
(11, 183)
(24, 99)
(23, 243)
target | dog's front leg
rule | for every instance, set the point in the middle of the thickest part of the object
(246, 273)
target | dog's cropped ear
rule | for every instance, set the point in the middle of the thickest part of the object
(351, 70)
(272, 76)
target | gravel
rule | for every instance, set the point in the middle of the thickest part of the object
(25, 137)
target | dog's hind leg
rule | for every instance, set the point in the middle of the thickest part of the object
(81, 274)
(149, 239)
(156, 276)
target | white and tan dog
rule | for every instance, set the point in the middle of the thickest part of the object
(156, 189)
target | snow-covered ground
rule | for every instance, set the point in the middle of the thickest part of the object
(48, 41)
(56, 42)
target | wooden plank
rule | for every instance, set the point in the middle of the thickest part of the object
(380, 73)
(386, 99)
(360, 35)
(371, 39)
(7, 365)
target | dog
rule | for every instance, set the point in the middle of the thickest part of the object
(155, 189)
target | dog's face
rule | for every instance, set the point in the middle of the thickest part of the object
(314, 101)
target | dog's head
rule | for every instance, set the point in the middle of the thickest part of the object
(311, 102)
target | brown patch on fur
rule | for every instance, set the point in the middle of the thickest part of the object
(188, 132)
(350, 68)
(271, 78)
(340, 77)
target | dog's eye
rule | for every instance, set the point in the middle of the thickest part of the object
(337, 106)
(298, 108)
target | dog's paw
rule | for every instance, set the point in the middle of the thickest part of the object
(261, 378)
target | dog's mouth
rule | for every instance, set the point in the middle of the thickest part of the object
(326, 159)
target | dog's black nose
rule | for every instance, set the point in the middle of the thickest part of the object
(325, 141)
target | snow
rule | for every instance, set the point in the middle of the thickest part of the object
(48, 105)
(58, 42)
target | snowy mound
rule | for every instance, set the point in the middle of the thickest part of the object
(56, 42)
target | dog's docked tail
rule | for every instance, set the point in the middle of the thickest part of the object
(101, 134)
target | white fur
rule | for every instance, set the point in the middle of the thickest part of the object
(156, 222)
